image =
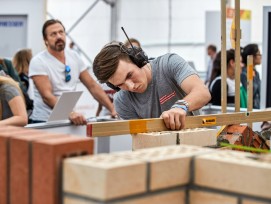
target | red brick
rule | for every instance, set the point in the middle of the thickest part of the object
(20, 165)
(47, 165)
(5, 134)
(3, 169)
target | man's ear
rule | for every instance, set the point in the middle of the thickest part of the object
(46, 43)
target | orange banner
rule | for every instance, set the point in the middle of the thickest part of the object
(244, 14)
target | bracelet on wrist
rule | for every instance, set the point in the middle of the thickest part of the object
(180, 106)
(183, 102)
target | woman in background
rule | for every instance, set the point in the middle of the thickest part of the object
(215, 80)
(252, 49)
(21, 62)
(12, 105)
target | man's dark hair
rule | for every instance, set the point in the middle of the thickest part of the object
(212, 47)
(106, 62)
(48, 23)
(250, 49)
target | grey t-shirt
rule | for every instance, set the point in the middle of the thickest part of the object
(168, 72)
(7, 92)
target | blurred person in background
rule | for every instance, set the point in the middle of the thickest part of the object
(211, 51)
(74, 47)
(21, 61)
(12, 105)
(134, 42)
(215, 80)
(252, 49)
(101, 110)
(8, 68)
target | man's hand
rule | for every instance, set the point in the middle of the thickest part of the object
(174, 118)
(114, 114)
(77, 118)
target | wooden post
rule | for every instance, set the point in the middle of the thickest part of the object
(237, 55)
(223, 58)
(249, 84)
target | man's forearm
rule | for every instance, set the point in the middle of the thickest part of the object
(105, 101)
(14, 120)
(197, 99)
(50, 100)
(99, 94)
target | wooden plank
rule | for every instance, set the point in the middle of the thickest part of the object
(223, 57)
(237, 55)
(250, 84)
(157, 124)
(125, 127)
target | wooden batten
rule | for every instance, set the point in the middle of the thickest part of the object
(223, 58)
(237, 55)
(157, 124)
(250, 84)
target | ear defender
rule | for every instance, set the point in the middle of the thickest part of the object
(138, 56)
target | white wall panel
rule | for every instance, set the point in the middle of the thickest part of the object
(149, 22)
(35, 10)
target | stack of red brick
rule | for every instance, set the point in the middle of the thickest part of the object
(31, 164)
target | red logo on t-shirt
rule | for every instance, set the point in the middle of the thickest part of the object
(165, 98)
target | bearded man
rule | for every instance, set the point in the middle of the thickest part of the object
(57, 70)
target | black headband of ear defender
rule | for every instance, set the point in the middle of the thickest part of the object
(136, 54)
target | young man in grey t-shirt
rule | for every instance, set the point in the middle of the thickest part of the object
(166, 87)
